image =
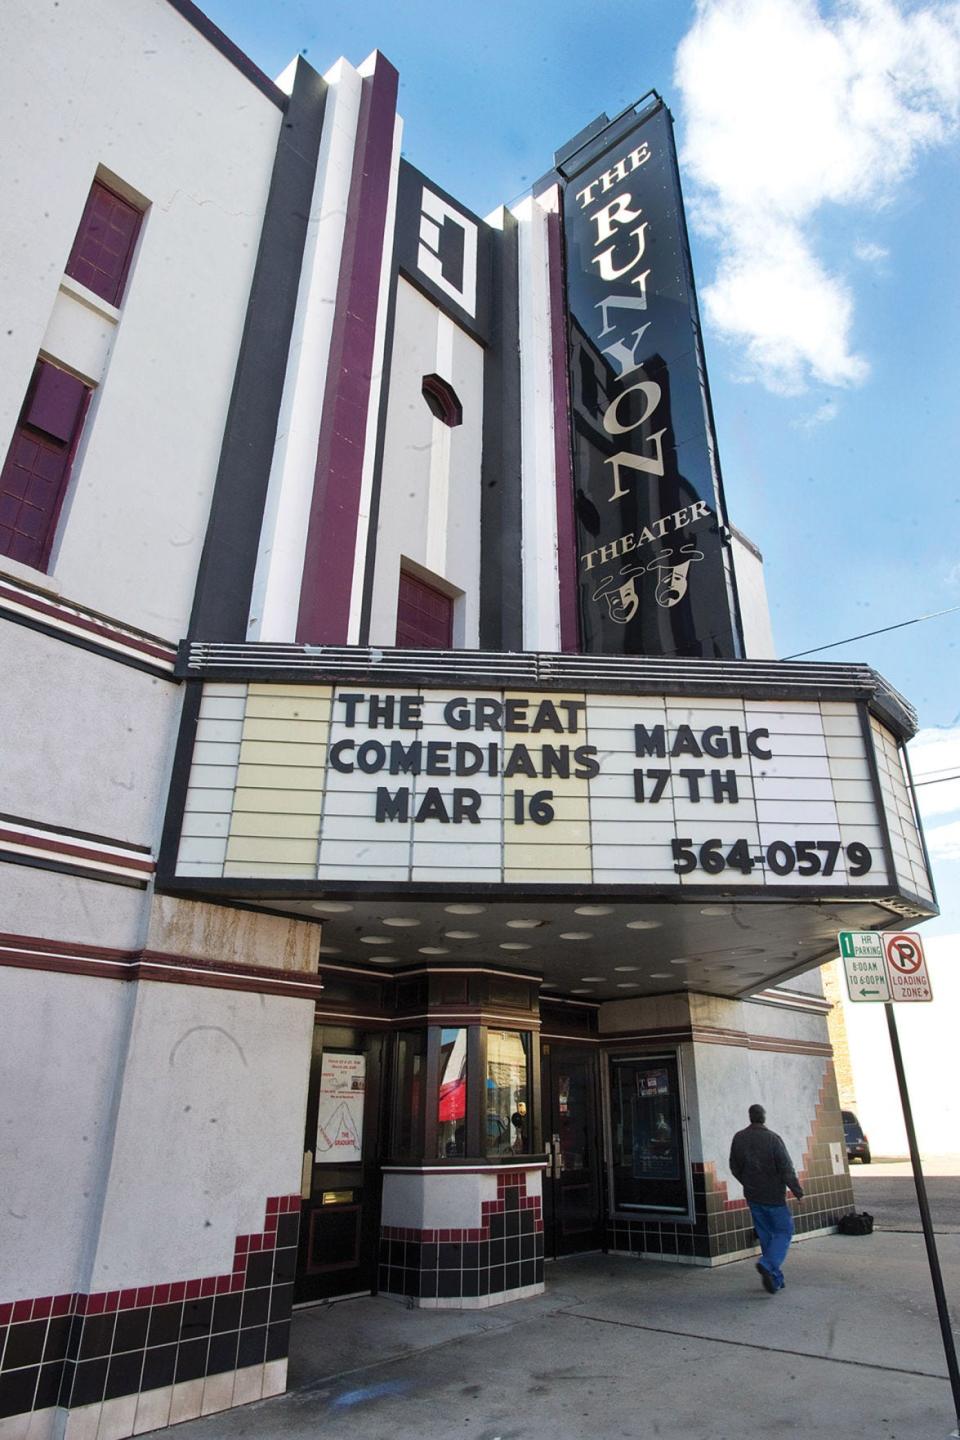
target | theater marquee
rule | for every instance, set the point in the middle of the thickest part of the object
(655, 576)
(323, 783)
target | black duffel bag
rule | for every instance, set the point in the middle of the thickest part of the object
(854, 1224)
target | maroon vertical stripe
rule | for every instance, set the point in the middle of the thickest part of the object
(332, 532)
(566, 534)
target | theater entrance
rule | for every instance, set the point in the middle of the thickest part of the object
(340, 1219)
(572, 1214)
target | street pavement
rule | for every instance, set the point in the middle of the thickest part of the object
(619, 1347)
(886, 1189)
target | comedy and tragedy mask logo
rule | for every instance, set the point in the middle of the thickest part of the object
(622, 599)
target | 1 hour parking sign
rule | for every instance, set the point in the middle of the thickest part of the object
(884, 967)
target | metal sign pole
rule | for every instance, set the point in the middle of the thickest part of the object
(934, 1260)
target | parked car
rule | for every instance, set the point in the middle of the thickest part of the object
(858, 1146)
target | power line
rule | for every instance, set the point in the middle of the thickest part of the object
(942, 781)
(868, 633)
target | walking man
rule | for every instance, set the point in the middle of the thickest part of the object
(759, 1160)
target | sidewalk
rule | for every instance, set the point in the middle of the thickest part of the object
(623, 1348)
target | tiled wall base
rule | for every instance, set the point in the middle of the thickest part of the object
(171, 1404)
(39, 1425)
(107, 1364)
(470, 1269)
(475, 1302)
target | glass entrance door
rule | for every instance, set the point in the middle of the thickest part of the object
(571, 1187)
(340, 1219)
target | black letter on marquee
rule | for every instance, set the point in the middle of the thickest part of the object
(392, 807)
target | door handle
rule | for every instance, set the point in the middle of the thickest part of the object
(306, 1175)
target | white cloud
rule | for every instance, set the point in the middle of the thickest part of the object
(788, 110)
(871, 253)
(823, 414)
(935, 755)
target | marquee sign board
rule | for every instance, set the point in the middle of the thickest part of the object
(325, 783)
(654, 569)
(884, 966)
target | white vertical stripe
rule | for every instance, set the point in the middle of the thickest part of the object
(276, 586)
(438, 501)
(541, 597)
(376, 389)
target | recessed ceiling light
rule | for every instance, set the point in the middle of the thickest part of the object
(625, 968)
(525, 924)
(461, 934)
(375, 940)
(592, 979)
(401, 922)
(593, 910)
(582, 990)
(679, 962)
(515, 945)
(464, 909)
(716, 910)
(333, 907)
(433, 950)
(631, 985)
(643, 924)
(385, 959)
(660, 975)
(329, 949)
(576, 935)
(748, 950)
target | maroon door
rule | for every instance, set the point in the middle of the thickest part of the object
(572, 1215)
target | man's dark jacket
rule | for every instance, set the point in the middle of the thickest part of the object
(759, 1160)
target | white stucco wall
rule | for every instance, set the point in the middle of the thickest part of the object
(730, 1079)
(55, 1123)
(430, 488)
(210, 1123)
(48, 905)
(94, 739)
(136, 89)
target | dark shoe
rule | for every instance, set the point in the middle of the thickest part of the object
(767, 1280)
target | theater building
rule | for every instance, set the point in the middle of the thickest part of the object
(413, 860)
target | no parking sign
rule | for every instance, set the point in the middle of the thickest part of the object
(906, 967)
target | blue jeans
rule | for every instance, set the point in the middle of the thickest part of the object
(774, 1227)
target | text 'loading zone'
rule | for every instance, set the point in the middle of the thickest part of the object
(652, 561)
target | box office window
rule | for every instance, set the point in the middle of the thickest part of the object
(507, 1093)
(406, 1131)
(452, 1098)
(648, 1161)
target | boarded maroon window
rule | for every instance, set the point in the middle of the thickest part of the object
(37, 467)
(424, 616)
(103, 249)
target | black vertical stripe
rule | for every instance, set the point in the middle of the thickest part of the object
(225, 579)
(501, 582)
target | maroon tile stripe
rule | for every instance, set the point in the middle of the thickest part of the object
(334, 513)
(75, 851)
(88, 622)
(508, 1180)
(103, 1302)
(30, 952)
(563, 466)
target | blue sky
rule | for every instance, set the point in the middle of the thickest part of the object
(819, 157)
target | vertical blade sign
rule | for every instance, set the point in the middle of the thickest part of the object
(655, 572)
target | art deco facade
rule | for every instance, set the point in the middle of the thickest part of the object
(411, 867)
